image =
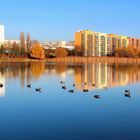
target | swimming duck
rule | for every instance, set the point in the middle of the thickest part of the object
(71, 91)
(127, 95)
(64, 87)
(38, 89)
(1, 85)
(97, 96)
(127, 91)
(29, 86)
(62, 82)
(85, 90)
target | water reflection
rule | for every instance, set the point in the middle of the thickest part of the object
(105, 75)
(95, 75)
(55, 113)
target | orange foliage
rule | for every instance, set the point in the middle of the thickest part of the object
(37, 51)
(127, 52)
(61, 52)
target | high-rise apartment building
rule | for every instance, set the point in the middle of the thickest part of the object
(85, 42)
(2, 34)
(101, 44)
(88, 44)
(92, 43)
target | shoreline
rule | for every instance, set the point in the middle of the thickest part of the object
(76, 60)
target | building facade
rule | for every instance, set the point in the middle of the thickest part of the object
(134, 42)
(85, 42)
(101, 44)
(117, 41)
(92, 43)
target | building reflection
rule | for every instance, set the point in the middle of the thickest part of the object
(103, 75)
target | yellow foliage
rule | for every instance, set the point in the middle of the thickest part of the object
(37, 51)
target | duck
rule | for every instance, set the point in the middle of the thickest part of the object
(85, 90)
(29, 86)
(1, 85)
(127, 95)
(93, 85)
(127, 91)
(97, 96)
(71, 91)
(38, 89)
(64, 87)
(62, 82)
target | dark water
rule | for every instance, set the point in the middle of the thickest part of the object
(56, 114)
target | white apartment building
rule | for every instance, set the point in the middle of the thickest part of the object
(2, 34)
(102, 45)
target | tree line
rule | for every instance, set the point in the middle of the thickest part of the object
(35, 50)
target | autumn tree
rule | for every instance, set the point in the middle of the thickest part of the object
(61, 52)
(22, 43)
(127, 52)
(28, 43)
(37, 51)
(15, 49)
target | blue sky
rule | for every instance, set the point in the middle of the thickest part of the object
(59, 19)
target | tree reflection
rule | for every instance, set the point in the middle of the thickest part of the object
(37, 69)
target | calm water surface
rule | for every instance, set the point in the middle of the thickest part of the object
(56, 114)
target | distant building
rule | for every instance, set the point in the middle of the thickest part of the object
(2, 34)
(55, 44)
(11, 41)
(70, 43)
(61, 43)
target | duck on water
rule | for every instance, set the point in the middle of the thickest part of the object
(1, 85)
(127, 93)
(38, 89)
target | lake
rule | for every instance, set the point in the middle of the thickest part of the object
(105, 112)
